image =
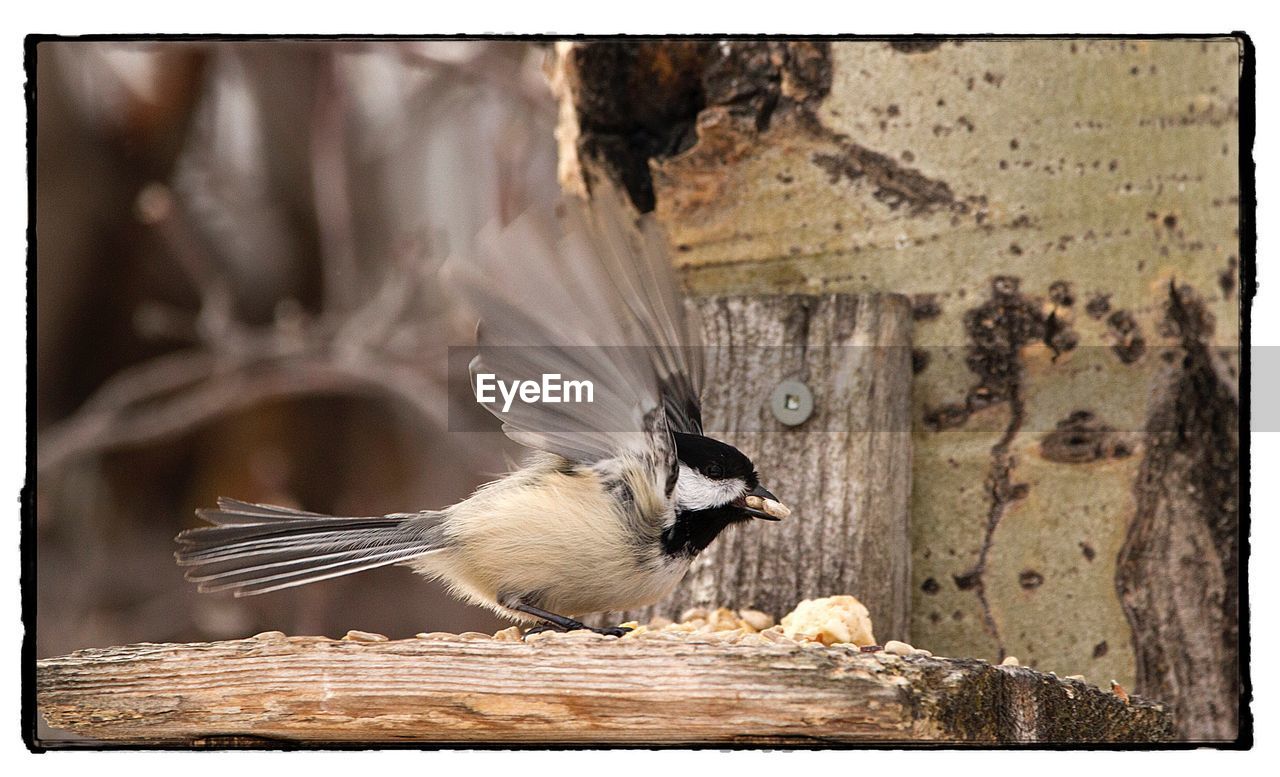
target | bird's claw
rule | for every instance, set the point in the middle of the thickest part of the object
(541, 627)
(611, 631)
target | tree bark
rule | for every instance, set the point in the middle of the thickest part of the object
(270, 690)
(845, 471)
(1186, 535)
(1036, 199)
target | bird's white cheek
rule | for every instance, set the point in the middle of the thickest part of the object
(695, 491)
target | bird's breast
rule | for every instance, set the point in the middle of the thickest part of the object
(577, 541)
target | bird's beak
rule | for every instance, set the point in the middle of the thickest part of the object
(759, 503)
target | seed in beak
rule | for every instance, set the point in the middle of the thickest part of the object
(772, 508)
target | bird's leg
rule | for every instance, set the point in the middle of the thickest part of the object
(558, 622)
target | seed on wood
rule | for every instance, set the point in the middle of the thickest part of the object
(775, 634)
(510, 634)
(897, 648)
(756, 619)
(367, 636)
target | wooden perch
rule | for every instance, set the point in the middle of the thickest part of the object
(657, 689)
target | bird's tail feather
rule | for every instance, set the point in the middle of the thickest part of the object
(252, 549)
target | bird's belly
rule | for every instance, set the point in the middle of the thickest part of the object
(567, 565)
(587, 580)
(638, 586)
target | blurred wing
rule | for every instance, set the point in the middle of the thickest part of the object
(634, 255)
(594, 302)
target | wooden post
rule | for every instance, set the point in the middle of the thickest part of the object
(845, 471)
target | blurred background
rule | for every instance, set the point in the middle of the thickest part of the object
(237, 255)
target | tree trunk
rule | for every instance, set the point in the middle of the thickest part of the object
(1046, 204)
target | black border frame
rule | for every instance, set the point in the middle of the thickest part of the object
(1248, 287)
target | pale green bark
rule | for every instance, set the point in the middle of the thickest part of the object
(1109, 165)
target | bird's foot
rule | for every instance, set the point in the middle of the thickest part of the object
(611, 631)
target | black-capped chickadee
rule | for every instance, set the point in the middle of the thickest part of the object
(619, 494)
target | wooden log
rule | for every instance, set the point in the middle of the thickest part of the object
(845, 472)
(581, 689)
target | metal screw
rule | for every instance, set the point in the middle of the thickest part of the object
(792, 402)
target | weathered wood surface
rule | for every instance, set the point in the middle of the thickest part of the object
(677, 691)
(1066, 215)
(845, 472)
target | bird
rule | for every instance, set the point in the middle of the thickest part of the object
(616, 496)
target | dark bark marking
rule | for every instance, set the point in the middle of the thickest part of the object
(966, 581)
(998, 330)
(636, 101)
(639, 101)
(925, 307)
(1060, 294)
(1227, 278)
(1130, 345)
(1030, 579)
(1098, 306)
(1081, 438)
(916, 46)
(1178, 572)
(948, 416)
(1058, 335)
(893, 184)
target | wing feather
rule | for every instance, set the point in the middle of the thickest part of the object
(595, 301)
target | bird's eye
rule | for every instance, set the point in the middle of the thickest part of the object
(715, 471)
